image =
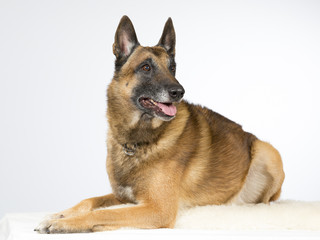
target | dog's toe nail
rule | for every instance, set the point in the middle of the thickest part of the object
(47, 230)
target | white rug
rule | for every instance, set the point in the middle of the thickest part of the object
(289, 215)
(280, 220)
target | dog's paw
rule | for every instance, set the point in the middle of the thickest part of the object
(46, 224)
(47, 220)
(50, 226)
(61, 225)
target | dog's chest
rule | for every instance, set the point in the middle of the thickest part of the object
(127, 172)
(124, 193)
(125, 176)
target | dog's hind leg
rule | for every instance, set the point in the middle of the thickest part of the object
(265, 176)
(274, 167)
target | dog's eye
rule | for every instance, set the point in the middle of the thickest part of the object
(173, 68)
(146, 67)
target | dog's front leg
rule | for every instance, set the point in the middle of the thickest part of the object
(138, 216)
(84, 206)
(89, 205)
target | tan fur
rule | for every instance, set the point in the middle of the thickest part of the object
(265, 176)
(197, 158)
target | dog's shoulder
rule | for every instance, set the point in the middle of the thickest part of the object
(219, 126)
(212, 117)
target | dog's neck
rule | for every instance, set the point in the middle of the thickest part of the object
(132, 137)
(130, 127)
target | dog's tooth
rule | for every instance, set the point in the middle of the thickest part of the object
(155, 103)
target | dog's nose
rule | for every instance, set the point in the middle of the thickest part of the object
(176, 92)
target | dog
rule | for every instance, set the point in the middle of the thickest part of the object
(165, 153)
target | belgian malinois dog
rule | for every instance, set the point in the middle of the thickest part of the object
(165, 153)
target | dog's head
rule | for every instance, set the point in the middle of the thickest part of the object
(145, 76)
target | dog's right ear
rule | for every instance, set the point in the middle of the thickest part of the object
(125, 39)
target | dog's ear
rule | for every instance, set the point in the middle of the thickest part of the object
(125, 39)
(168, 38)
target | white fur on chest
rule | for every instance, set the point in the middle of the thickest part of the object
(126, 193)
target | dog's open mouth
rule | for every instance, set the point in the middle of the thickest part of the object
(166, 109)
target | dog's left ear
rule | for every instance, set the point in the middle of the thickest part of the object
(168, 38)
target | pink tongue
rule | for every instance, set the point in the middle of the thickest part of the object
(170, 110)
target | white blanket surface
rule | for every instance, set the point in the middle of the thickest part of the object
(280, 220)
